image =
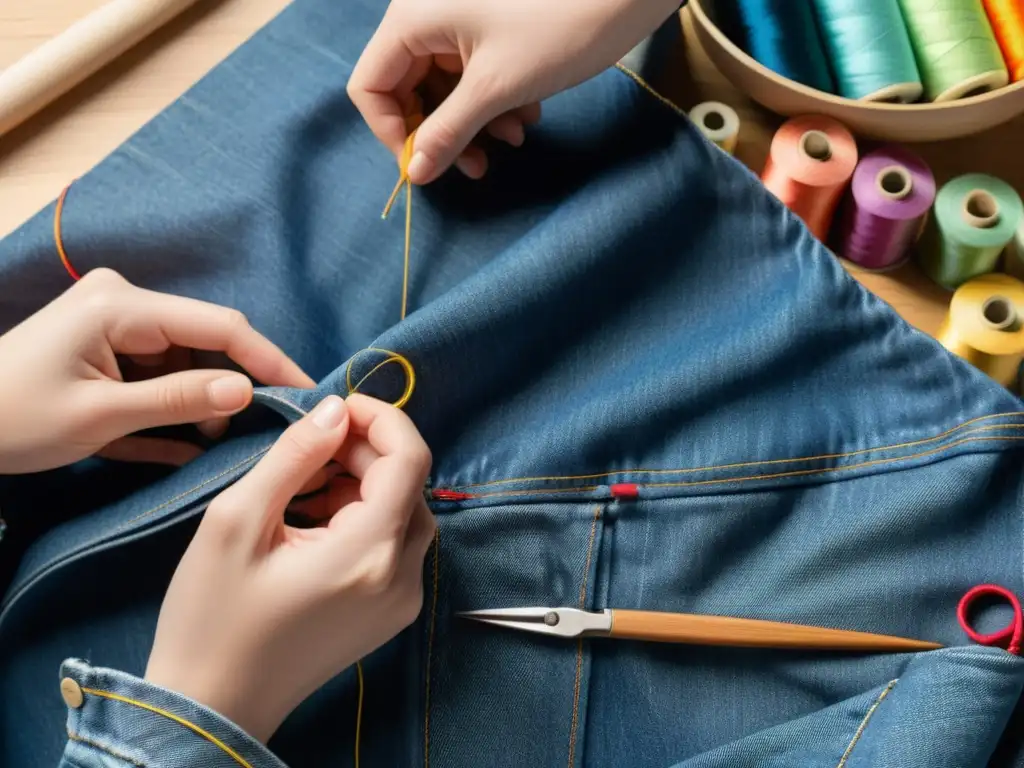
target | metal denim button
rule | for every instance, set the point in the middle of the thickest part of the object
(72, 693)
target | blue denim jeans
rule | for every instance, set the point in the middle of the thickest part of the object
(618, 302)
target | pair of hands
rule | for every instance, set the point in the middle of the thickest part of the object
(486, 65)
(258, 614)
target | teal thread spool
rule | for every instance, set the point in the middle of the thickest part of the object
(956, 49)
(975, 218)
(869, 49)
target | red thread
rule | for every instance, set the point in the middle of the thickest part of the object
(625, 490)
(440, 494)
(58, 238)
(1010, 635)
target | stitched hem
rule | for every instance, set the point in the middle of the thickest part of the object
(864, 723)
(430, 649)
(104, 748)
(201, 732)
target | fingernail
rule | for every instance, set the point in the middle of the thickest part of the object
(420, 168)
(329, 412)
(230, 393)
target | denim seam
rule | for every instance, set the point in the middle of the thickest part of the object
(430, 649)
(192, 490)
(636, 78)
(751, 478)
(864, 723)
(579, 647)
(184, 722)
(765, 462)
(103, 748)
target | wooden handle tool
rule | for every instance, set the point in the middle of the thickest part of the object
(693, 629)
(57, 66)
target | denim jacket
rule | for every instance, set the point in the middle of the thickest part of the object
(117, 719)
(645, 386)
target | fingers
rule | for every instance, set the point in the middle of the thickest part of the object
(477, 99)
(386, 71)
(393, 482)
(143, 324)
(178, 398)
(289, 466)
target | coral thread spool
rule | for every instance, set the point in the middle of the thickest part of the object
(809, 166)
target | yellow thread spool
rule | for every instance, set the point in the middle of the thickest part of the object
(985, 326)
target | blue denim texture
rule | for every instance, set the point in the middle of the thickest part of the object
(618, 302)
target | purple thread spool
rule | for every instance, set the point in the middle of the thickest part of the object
(891, 192)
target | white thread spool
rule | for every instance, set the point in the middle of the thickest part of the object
(718, 122)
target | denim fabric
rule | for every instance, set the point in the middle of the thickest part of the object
(123, 722)
(618, 302)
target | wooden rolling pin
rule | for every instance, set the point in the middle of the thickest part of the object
(60, 64)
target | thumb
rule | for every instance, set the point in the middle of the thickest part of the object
(186, 397)
(476, 100)
(301, 451)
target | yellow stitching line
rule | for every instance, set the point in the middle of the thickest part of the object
(579, 648)
(646, 86)
(103, 748)
(203, 484)
(175, 718)
(430, 650)
(794, 473)
(864, 724)
(766, 462)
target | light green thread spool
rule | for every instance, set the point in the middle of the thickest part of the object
(956, 49)
(975, 218)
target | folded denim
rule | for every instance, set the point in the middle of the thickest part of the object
(618, 302)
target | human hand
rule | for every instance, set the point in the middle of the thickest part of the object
(63, 393)
(259, 614)
(497, 59)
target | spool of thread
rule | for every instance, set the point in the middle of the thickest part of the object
(892, 191)
(1015, 254)
(985, 326)
(869, 49)
(1007, 19)
(975, 218)
(718, 122)
(809, 165)
(956, 49)
(780, 34)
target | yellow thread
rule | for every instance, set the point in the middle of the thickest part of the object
(359, 709)
(430, 650)
(393, 357)
(764, 462)
(175, 718)
(864, 723)
(404, 181)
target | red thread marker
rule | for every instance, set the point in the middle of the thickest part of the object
(1010, 635)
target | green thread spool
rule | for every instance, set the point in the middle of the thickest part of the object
(956, 49)
(975, 218)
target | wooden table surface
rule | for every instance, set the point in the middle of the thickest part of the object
(38, 159)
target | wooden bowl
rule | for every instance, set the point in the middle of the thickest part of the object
(893, 122)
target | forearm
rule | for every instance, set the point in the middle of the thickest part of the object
(116, 720)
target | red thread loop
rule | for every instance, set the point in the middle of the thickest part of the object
(1009, 636)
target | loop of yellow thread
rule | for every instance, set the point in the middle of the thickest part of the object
(392, 357)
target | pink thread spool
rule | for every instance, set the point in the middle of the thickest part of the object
(891, 193)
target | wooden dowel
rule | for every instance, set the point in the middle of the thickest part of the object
(60, 64)
(726, 631)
